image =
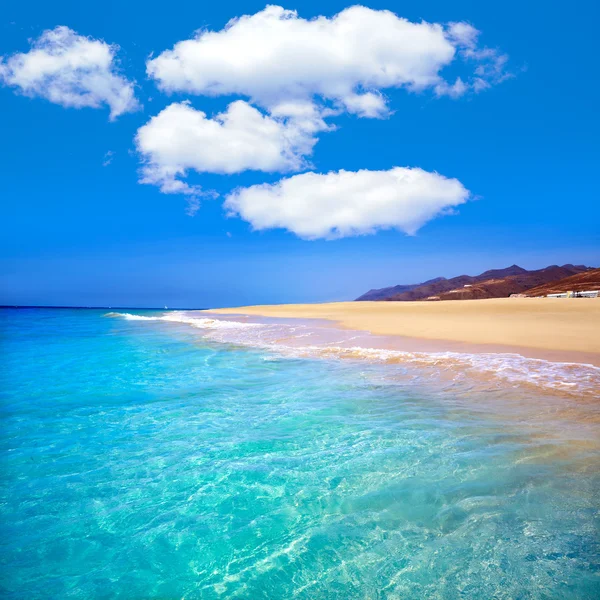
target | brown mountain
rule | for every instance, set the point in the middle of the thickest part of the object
(503, 287)
(384, 293)
(581, 282)
(496, 283)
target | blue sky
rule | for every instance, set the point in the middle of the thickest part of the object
(76, 231)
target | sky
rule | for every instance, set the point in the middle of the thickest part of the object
(222, 154)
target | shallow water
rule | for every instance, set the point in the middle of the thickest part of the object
(150, 459)
(322, 339)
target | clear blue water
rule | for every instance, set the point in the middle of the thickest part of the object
(141, 460)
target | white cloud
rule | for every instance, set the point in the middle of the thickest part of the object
(346, 203)
(454, 90)
(275, 57)
(70, 70)
(462, 34)
(181, 138)
(489, 63)
(108, 158)
(298, 72)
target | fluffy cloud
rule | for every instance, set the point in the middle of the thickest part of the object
(274, 57)
(181, 138)
(70, 70)
(298, 73)
(345, 203)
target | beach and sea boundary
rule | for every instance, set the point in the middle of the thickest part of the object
(550, 328)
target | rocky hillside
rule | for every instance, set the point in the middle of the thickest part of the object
(496, 283)
(588, 280)
(385, 293)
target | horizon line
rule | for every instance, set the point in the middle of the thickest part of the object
(101, 307)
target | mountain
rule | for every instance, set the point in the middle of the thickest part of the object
(581, 282)
(495, 283)
(384, 293)
(516, 283)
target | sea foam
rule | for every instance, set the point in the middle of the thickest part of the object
(142, 458)
(306, 340)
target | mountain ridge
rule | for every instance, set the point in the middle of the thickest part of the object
(493, 283)
(579, 282)
(382, 293)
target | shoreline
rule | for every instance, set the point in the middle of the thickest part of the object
(558, 330)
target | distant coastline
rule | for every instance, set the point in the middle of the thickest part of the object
(162, 308)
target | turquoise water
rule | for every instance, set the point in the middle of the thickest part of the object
(140, 459)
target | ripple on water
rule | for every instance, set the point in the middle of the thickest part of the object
(483, 370)
(146, 462)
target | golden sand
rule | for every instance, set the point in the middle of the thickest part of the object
(556, 324)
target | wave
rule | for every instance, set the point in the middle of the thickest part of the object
(176, 317)
(299, 340)
(570, 378)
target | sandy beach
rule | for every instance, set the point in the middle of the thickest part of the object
(562, 327)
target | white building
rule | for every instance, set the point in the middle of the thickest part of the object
(571, 294)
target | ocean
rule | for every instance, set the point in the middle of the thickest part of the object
(153, 454)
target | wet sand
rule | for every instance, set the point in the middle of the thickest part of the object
(567, 329)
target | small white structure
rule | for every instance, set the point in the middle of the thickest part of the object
(571, 294)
